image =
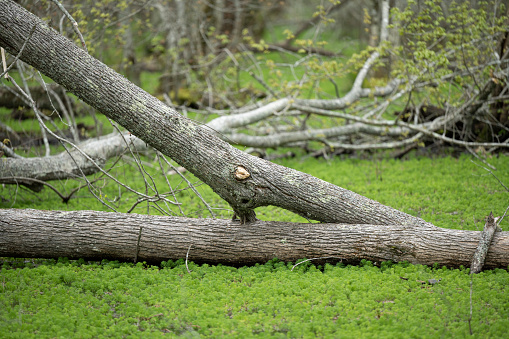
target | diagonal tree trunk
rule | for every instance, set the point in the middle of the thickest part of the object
(106, 235)
(244, 181)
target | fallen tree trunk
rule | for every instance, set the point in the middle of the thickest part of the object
(70, 164)
(105, 235)
(39, 94)
(244, 181)
(374, 231)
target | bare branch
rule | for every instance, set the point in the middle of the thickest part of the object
(9, 152)
(484, 245)
(223, 124)
(74, 23)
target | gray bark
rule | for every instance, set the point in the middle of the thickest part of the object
(484, 244)
(9, 100)
(67, 164)
(209, 158)
(226, 123)
(104, 235)
(8, 152)
(281, 139)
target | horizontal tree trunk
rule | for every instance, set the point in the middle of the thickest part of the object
(39, 94)
(68, 164)
(105, 235)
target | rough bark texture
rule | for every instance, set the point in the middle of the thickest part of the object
(100, 235)
(195, 148)
(67, 164)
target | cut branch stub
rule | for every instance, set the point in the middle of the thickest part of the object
(243, 213)
(241, 173)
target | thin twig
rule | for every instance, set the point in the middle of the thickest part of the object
(187, 255)
(38, 114)
(489, 171)
(471, 291)
(168, 182)
(74, 23)
(314, 259)
(65, 199)
(70, 122)
(193, 188)
(16, 58)
(499, 221)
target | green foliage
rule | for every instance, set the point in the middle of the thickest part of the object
(111, 299)
(452, 50)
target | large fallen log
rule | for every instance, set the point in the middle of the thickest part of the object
(104, 235)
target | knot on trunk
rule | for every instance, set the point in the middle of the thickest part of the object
(241, 173)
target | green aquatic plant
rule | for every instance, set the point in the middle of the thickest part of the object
(110, 299)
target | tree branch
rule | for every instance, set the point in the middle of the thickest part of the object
(62, 166)
(484, 245)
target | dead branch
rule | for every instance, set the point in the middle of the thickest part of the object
(484, 245)
(67, 164)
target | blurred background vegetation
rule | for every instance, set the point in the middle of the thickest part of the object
(212, 58)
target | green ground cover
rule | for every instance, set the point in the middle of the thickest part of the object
(48, 299)
(66, 300)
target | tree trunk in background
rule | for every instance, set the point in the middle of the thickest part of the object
(196, 30)
(66, 165)
(129, 63)
(374, 25)
(500, 109)
(104, 235)
(39, 94)
(244, 181)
